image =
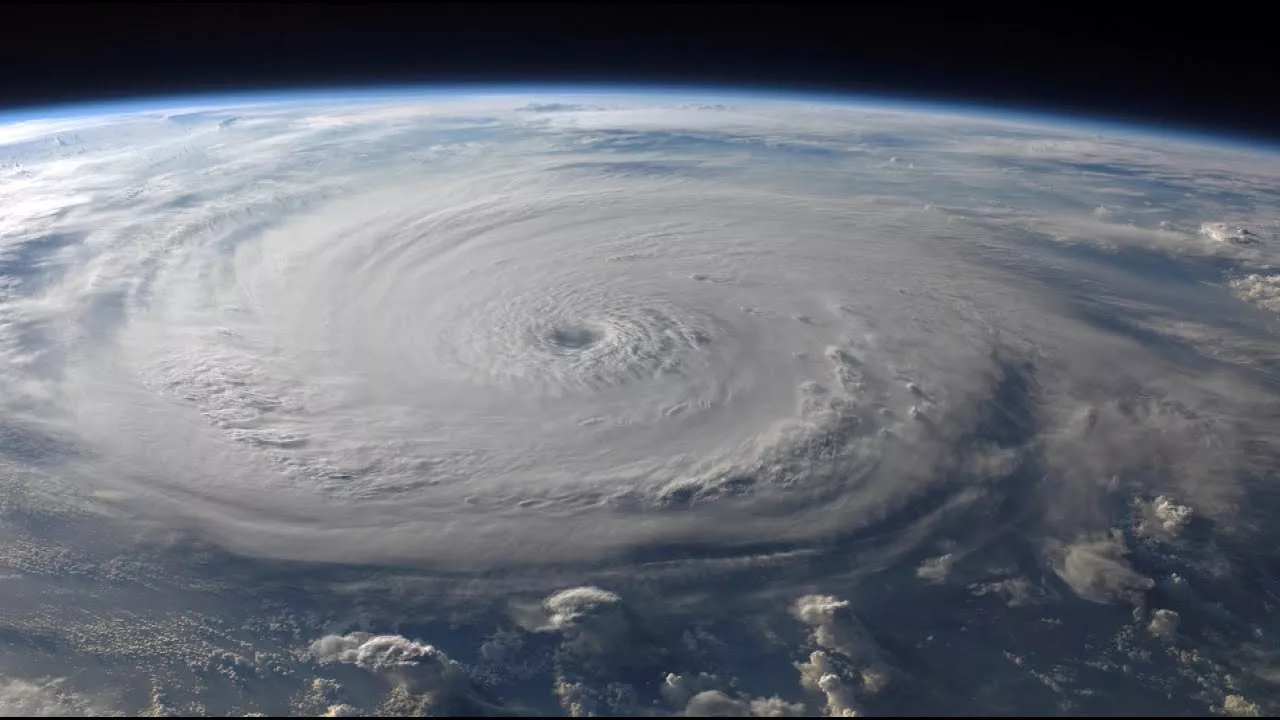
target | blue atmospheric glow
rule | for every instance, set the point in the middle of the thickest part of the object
(690, 91)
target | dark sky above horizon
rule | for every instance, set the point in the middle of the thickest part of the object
(1197, 72)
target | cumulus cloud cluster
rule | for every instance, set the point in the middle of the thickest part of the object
(1260, 289)
(1170, 516)
(820, 675)
(835, 628)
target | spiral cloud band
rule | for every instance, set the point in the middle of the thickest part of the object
(503, 333)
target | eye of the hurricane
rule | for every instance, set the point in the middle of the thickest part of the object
(573, 338)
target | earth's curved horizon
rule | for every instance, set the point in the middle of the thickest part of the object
(633, 403)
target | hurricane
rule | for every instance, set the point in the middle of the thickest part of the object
(534, 343)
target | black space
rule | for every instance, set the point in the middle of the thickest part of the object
(1211, 69)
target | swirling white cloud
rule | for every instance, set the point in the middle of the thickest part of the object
(489, 331)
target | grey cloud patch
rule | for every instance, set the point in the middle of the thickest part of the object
(1014, 591)
(49, 698)
(552, 107)
(640, 168)
(1096, 569)
(935, 569)
(29, 264)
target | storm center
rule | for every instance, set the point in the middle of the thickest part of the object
(574, 337)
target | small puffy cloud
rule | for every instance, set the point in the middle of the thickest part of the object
(577, 698)
(1237, 706)
(823, 613)
(1164, 624)
(376, 652)
(1173, 517)
(835, 627)
(713, 703)
(697, 696)
(421, 674)
(1164, 516)
(820, 675)
(776, 707)
(571, 608)
(591, 619)
(1096, 569)
(1257, 289)
(322, 694)
(600, 650)
(677, 689)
